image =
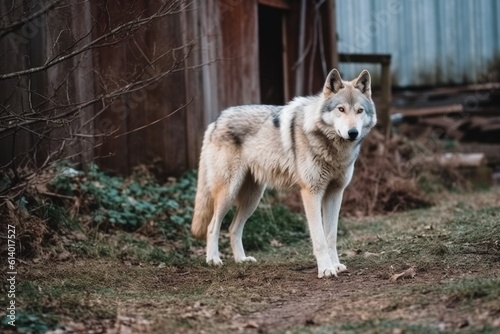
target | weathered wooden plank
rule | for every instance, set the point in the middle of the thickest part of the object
(331, 34)
(365, 58)
(193, 78)
(13, 50)
(491, 151)
(166, 140)
(249, 50)
(138, 47)
(430, 111)
(211, 49)
(315, 58)
(110, 63)
(292, 28)
(281, 4)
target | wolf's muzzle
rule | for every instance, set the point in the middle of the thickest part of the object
(353, 133)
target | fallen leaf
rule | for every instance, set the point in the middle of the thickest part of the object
(187, 315)
(408, 273)
(276, 243)
(77, 326)
(350, 253)
(369, 254)
(252, 324)
(79, 236)
(64, 256)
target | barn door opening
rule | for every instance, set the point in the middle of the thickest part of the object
(272, 55)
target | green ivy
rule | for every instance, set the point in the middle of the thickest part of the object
(129, 203)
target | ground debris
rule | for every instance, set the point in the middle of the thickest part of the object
(408, 273)
(386, 178)
(240, 326)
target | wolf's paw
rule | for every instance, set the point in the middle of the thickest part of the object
(327, 273)
(245, 259)
(339, 267)
(216, 261)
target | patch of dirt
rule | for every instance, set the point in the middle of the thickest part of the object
(356, 298)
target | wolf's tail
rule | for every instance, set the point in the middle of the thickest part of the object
(203, 206)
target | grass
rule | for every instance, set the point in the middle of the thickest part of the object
(477, 288)
(160, 285)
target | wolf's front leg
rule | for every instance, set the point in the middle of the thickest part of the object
(331, 208)
(312, 206)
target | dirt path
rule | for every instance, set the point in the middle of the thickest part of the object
(359, 297)
(261, 298)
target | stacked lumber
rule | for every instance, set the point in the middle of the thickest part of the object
(469, 115)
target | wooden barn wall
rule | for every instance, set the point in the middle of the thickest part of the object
(162, 143)
(221, 70)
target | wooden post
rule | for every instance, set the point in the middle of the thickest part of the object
(386, 92)
(332, 33)
(299, 71)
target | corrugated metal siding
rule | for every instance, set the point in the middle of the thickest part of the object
(432, 42)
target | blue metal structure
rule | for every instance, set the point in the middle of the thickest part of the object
(432, 42)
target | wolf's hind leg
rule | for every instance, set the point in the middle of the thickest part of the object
(247, 201)
(223, 201)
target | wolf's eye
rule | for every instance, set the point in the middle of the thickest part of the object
(360, 110)
(341, 109)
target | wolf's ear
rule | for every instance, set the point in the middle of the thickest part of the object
(333, 83)
(364, 83)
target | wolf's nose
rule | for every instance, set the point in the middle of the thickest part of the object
(353, 133)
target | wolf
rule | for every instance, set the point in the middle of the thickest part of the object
(311, 142)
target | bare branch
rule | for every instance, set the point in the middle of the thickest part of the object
(96, 43)
(131, 87)
(5, 30)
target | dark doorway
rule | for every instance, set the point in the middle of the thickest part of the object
(271, 55)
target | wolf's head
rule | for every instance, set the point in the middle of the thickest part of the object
(348, 106)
